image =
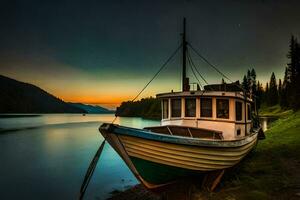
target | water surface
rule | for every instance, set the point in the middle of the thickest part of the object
(46, 157)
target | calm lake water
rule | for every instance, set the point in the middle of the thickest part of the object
(47, 157)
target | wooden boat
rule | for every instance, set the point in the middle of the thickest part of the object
(201, 131)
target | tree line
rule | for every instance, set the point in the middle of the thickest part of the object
(147, 108)
(286, 92)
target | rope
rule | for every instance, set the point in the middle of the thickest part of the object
(160, 69)
(216, 69)
(196, 77)
(189, 57)
(194, 72)
(90, 171)
(205, 60)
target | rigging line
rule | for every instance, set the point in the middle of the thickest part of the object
(215, 68)
(197, 69)
(196, 76)
(189, 59)
(90, 171)
(161, 68)
(194, 71)
(205, 60)
(207, 84)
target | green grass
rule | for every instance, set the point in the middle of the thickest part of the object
(272, 170)
(273, 111)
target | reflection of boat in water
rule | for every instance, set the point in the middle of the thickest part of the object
(201, 131)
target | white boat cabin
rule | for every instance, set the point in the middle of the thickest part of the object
(228, 112)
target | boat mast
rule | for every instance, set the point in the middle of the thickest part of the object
(185, 80)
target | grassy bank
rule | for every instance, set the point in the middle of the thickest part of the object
(272, 171)
(273, 111)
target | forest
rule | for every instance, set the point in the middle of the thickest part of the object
(284, 92)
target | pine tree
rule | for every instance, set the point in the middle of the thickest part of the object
(293, 74)
(296, 105)
(259, 95)
(249, 81)
(273, 91)
(284, 90)
(253, 82)
(245, 84)
(223, 81)
(292, 64)
(266, 94)
(279, 90)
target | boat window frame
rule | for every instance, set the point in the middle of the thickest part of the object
(211, 111)
(241, 102)
(163, 109)
(185, 107)
(171, 103)
(249, 112)
(226, 99)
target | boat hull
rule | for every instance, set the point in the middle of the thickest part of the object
(156, 160)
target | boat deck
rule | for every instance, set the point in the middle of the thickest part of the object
(187, 132)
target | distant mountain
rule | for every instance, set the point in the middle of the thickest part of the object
(19, 97)
(92, 109)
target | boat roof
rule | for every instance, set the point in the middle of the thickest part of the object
(204, 93)
(228, 87)
(233, 90)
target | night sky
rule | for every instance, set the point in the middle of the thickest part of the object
(104, 52)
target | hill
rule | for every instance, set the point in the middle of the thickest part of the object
(92, 109)
(20, 97)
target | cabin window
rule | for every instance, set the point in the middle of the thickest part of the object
(165, 103)
(249, 112)
(176, 107)
(190, 107)
(206, 107)
(238, 111)
(223, 108)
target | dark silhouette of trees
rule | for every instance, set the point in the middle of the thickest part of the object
(249, 82)
(245, 84)
(293, 75)
(223, 81)
(259, 94)
(146, 108)
(250, 85)
(279, 90)
(289, 93)
(265, 94)
(272, 98)
(284, 89)
(253, 84)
